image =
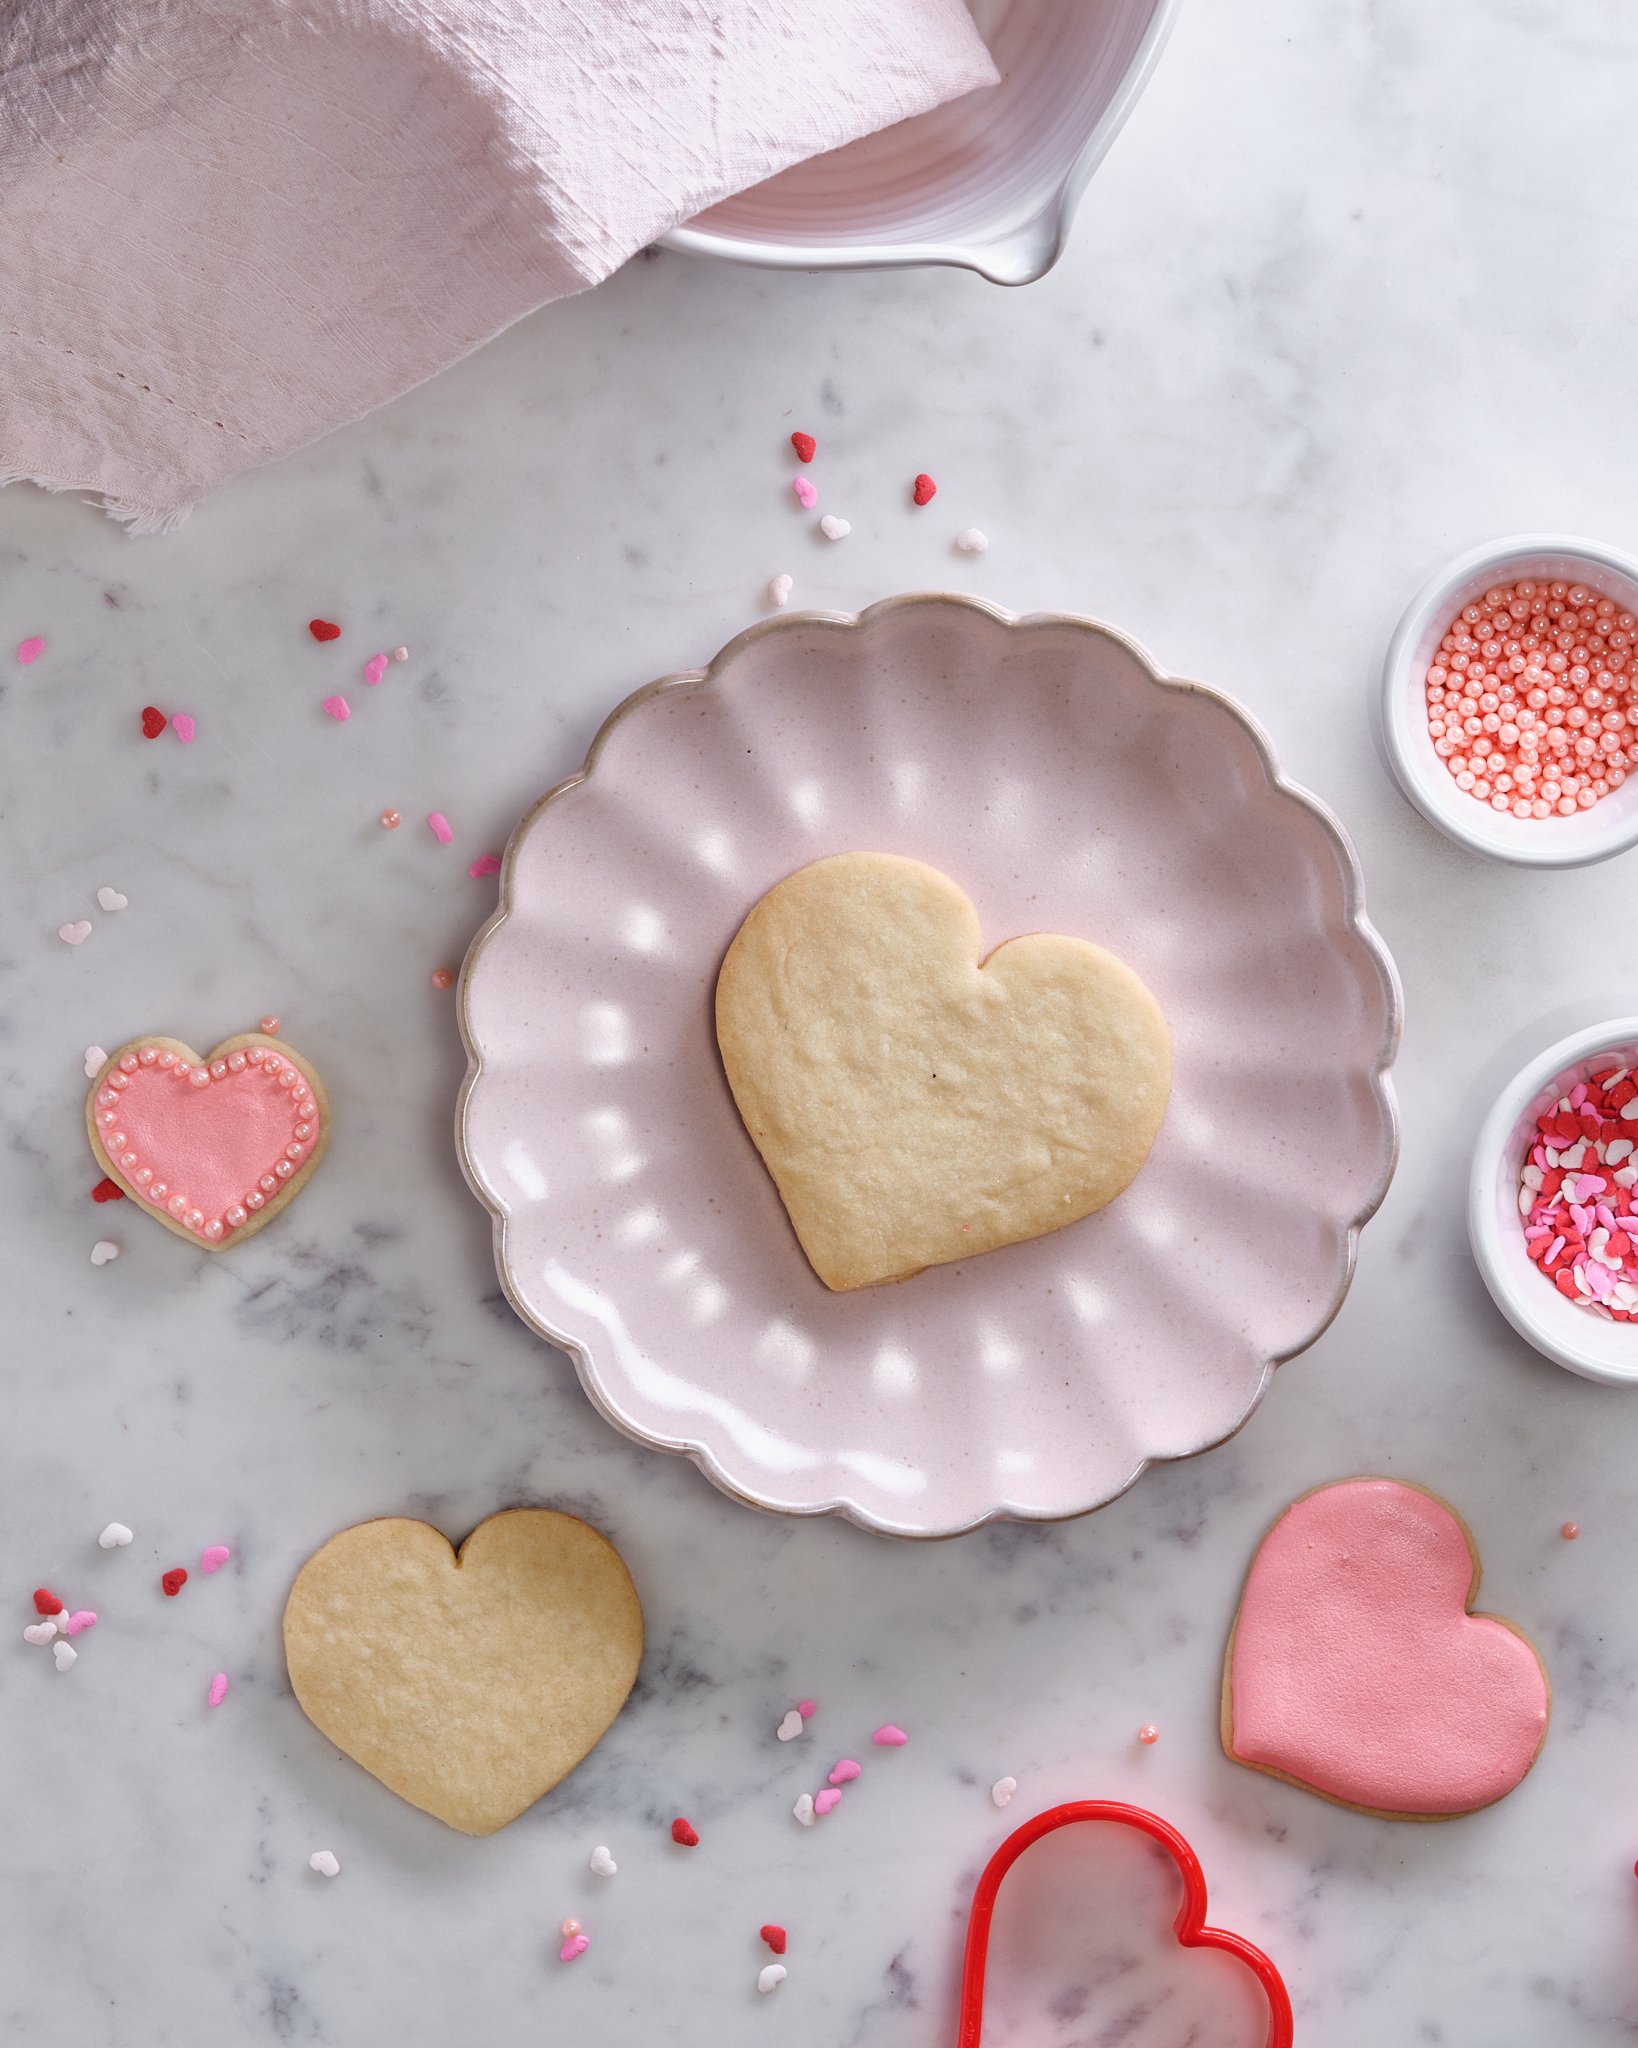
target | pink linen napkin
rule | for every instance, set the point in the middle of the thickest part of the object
(227, 226)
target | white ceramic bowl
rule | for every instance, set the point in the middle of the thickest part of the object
(988, 182)
(1570, 1336)
(1611, 826)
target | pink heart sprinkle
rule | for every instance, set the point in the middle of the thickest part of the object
(845, 1772)
(806, 496)
(889, 1737)
(213, 1559)
(81, 1618)
(30, 649)
(218, 1690)
(375, 668)
(576, 1945)
(824, 1801)
(182, 725)
(485, 864)
(806, 1709)
(338, 708)
(440, 827)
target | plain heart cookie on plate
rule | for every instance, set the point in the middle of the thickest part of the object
(914, 1101)
(469, 1682)
(213, 1147)
(1357, 1669)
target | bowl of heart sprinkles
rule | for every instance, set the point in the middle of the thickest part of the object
(1553, 1202)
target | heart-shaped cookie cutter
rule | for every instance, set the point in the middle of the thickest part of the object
(1189, 1927)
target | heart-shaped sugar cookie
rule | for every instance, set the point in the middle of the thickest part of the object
(212, 1147)
(1356, 1668)
(468, 1682)
(916, 1103)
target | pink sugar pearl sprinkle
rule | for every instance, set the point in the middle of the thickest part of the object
(1533, 699)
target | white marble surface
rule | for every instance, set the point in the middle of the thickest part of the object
(1353, 290)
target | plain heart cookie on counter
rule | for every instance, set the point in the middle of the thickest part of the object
(469, 1682)
(914, 1101)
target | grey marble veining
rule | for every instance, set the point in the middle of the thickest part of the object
(1352, 291)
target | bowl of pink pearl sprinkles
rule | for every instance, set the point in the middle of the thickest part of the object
(1509, 705)
(1552, 1207)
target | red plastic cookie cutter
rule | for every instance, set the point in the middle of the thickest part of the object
(1189, 1927)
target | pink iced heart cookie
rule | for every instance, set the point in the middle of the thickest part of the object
(214, 1146)
(1357, 1669)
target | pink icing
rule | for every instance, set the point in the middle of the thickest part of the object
(1358, 1670)
(207, 1141)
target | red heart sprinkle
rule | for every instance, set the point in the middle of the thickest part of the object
(107, 1190)
(925, 490)
(683, 1834)
(46, 1602)
(321, 629)
(806, 447)
(774, 1937)
(173, 1581)
(153, 722)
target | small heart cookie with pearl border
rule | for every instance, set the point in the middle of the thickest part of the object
(915, 1101)
(211, 1146)
(1357, 1668)
(469, 1681)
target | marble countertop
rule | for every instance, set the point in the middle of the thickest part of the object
(1330, 313)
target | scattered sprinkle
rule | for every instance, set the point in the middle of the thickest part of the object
(391, 819)
(269, 1027)
(322, 629)
(1148, 1734)
(802, 1812)
(1002, 1790)
(183, 726)
(79, 1621)
(576, 1945)
(485, 864)
(107, 1190)
(154, 722)
(46, 1602)
(218, 1690)
(111, 899)
(440, 827)
(806, 496)
(324, 1862)
(684, 1834)
(774, 1936)
(114, 1537)
(845, 1771)
(833, 528)
(805, 445)
(824, 1801)
(970, 541)
(779, 591)
(103, 1250)
(1570, 1531)
(569, 1927)
(400, 654)
(790, 1727)
(75, 934)
(374, 669)
(889, 1737)
(213, 1559)
(173, 1581)
(770, 1977)
(39, 1632)
(443, 977)
(806, 1709)
(95, 1060)
(602, 1862)
(63, 1654)
(339, 709)
(924, 490)
(31, 649)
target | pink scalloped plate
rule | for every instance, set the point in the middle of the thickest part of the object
(1067, 785)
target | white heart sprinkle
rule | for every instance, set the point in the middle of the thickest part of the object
(74, 934)
(65, 1654)
(971, 542)
(779, 590)
(1002, 1790)
(770, 1977)
(802, 1811)
(111, 899)
(833, 528)
(102, 1251)
(324, 1862)
(790, 1727)
(114, 1537)
(95, 1060)
(39, 1632)
(602, 1863)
